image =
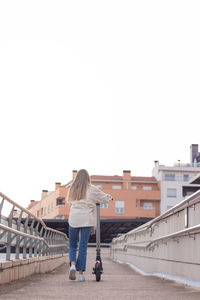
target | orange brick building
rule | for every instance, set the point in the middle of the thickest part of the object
(134, 197)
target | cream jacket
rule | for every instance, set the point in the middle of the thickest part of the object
(83, 212)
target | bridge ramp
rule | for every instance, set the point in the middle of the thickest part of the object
(118, 282)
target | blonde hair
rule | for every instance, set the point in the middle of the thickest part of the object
(80, 185)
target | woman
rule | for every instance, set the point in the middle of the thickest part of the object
(82, 198)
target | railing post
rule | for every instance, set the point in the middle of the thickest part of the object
(44, 246)
(1, 207)
(40, 244)
(54, 242)
(22, 235)
(186, 221)
(8, 249)
(48, 242)
(25, 239)
(36, 242)
(31, 241)
(17, 248)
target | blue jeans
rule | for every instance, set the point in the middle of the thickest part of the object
(73, 242)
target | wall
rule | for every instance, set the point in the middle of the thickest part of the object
(132, 203)
(21, 268)
(166, 244)
(48, 203)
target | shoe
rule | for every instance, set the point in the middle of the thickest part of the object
(81, 277)
(72, 272)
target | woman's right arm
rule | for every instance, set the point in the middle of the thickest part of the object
(100, 197)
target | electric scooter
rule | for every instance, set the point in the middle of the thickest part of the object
(98, 268)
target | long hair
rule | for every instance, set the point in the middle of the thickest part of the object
(79, 186)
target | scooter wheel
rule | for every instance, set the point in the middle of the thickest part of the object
(98, 274)
(98, 271)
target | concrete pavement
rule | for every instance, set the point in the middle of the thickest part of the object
(118, 282)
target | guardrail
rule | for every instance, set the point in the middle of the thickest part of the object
(185, 204)
(32, 236)
(167, 244)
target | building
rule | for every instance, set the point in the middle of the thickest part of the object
(134, 197)
(173, 179)
(194, 154)
(192, 186)
(52, 204)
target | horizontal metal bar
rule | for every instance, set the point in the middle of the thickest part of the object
(195, 229)
(31, 214)
(8, 229)
(19, 206)
(189, 201)
(177, 234)
(56, 246)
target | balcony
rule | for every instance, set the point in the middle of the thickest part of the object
(197, 164)
(60, 201)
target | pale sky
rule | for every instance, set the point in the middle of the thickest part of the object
(101, 85)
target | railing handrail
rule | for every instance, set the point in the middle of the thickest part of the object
(176, 234)
(32, 215)
(17, 232)
(21, 208)
(175, 208)
(171, 211)
(26, 235)
(171, 235)
(32, 234)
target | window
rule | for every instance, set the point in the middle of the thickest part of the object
(147, 205)
(116, 187)
(38, 213)
(48, 209)
(171, 193)
(119, 207)
(186, 177)
(147, 188)
(41, 211)
(45, 211)
(104, 205)
(99, 186)
(52, 206)
(170, 177)
(60, 201)
(134, 187)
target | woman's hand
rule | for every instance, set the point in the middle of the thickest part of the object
(93, 230)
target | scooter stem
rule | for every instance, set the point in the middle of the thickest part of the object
(98, 242)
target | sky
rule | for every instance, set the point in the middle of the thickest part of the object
(101, 85)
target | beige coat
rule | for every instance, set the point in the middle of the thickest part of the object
(83, 212)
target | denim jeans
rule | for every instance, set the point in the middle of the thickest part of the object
(73, 242)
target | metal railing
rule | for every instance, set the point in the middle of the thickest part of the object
(132, 238)
(31, 236)
(186, 203)
(150, 244)
(166, 246)
(195, 164)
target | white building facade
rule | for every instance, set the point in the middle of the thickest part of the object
(171, 181)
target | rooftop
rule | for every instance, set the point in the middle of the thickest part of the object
(120, 178)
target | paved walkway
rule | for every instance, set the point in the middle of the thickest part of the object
(118, 282)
